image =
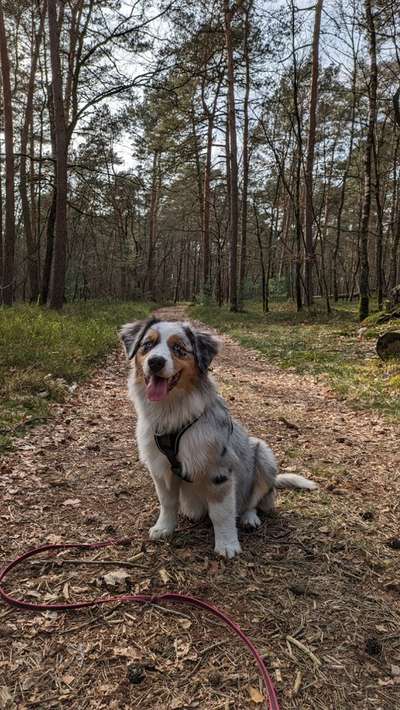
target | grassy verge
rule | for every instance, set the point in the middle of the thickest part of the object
(43, 354)
(329, 347)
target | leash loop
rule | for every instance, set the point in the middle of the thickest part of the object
(173, 597)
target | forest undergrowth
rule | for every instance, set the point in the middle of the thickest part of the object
(43, 354)
(329, 347)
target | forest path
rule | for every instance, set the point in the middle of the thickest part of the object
(320, 571)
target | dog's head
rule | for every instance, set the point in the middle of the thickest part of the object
(168, 355)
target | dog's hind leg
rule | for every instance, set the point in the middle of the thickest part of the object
(250, 519)
(262, 494)
(267, 503)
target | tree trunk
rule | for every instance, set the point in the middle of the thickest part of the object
(234, 192)
(8, 280)
(298, 237)
(197, 161)
(264, 291)
(308, 182)
(58, 267)
(51, 215)
(395, 221)
(206, 209)
(395, 250)
(344, 184)
(298, 158)
(152, 225)
(243, 249)
(379, 231)
(31, 246)
(1, 234)
(366, 204)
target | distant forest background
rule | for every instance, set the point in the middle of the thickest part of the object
(202, 150)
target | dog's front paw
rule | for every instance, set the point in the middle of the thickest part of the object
(161, 529)
(228, 549)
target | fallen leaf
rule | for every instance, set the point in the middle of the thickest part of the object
(118, 580)
(5, 697)
(185, 623)
(164, 575)
(68, 679)
(256, 696)
(213, 567)
(176, 704)
(73, 502)
(126, 652)
(182, 648)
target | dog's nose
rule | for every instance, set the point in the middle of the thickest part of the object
(156, 363)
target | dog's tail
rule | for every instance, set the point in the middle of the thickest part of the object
(293, 480)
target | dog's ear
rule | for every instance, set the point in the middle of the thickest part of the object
(132, 335)
(205, 347)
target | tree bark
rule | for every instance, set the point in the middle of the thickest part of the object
(243, 249)
(395, 220)
(379, 230)
(366, 204)
(58, 267)
(344, 184)
(234, 191)
(152, 224)
(206, 192)
(264, 292)
(31, 246)
(8, 277)
(308, 182)
(298, 158)
(206, 208)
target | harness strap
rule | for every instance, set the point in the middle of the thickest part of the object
(168, 444)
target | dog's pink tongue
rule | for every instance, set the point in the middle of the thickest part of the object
(157, 388)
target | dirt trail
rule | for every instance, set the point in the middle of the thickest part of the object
(320, 571)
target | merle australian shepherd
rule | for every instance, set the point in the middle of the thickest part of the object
(200, 459)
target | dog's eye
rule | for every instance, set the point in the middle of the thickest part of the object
(147, 346)
(178, 350)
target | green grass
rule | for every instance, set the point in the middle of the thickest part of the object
(43, 353)
(316, 344)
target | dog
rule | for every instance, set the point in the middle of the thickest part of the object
(201, 459)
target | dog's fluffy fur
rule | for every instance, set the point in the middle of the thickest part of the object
(231, 473)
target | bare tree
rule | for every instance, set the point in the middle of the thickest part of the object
(57, 279)
(369, 143)
(308, 178)
(154, 199)
(31, 246)
(245, 177)
(233, 162)
(9, 232)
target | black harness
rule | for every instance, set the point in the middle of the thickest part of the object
(169, 446)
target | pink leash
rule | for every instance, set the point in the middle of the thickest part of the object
(139, 598)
